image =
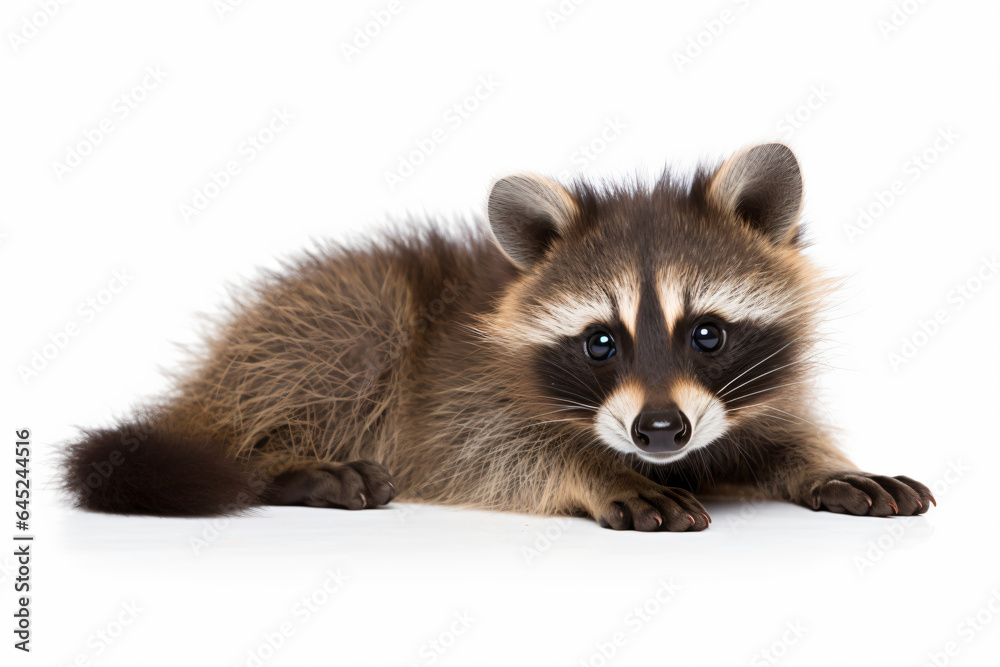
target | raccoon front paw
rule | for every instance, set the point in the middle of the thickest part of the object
(354, 486)
(864, 494)
(652, 509)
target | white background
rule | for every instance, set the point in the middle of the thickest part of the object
(858, 590)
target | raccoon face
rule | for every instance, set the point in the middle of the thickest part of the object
(657, 320)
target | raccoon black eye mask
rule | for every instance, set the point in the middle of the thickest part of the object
(613, 351)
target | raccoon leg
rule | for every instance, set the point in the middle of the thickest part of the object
(620, 498)
(862, 493)
(354, 486)
(824, 479)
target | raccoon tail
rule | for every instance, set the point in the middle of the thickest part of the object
(141, 466)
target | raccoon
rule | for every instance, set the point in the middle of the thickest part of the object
(604, 350)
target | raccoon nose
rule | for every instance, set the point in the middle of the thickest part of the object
(661, 430)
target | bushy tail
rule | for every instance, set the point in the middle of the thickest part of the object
(140, 467)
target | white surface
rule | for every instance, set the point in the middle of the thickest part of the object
(537, 591)
(884, 99)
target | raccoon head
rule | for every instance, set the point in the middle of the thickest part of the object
(659, 319)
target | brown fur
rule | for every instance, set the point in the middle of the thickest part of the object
(428, 355)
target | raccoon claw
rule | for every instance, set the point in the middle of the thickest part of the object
(864, 494)
(674, 510)
(354, 486)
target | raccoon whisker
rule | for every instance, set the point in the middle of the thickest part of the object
(583, 383)
(683, 471)
(586, 400)
(754, 393)
(751, 381)
(567, 409)
(571, 408)
(593, 375)
(758, 364)
(778, 418)
(771, 407)
(773, 370)
(706, 451)
(596, 442)
(739, 450)
(744, 407)
(561, 410)
(575, 395)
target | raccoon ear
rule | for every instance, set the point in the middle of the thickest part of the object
(527, 213)
(763, 186)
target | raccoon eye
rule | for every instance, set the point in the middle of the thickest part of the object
(600, 346)
(706, 337)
